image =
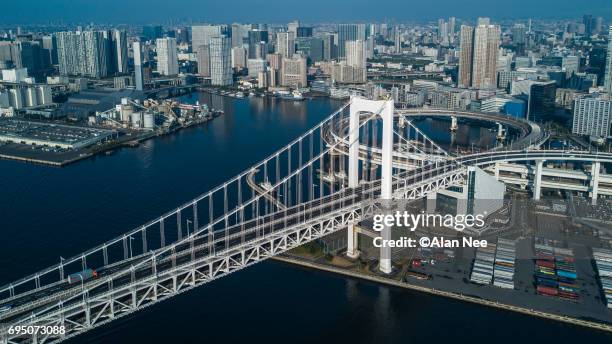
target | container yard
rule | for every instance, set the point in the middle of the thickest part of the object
(504, 264)
(603, 262)
(555, 270)
(482, 270)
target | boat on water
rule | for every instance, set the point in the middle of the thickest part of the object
(295, 95)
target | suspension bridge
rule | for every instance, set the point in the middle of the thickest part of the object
(342, 171)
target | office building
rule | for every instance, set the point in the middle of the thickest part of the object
(240, 34)
(203, 56)
(255, 66)
(570, 65)
(167, 57)
(220, 61)
(329, 47)
(202, 34)
(608, 70)
(119, 51)
(239, 57)
(294, 72)
(346, 32)
(356, 58)
(138, 76)
(312, 47)
(151, 33)
(256, 36)
(285, 44)
(49, 44)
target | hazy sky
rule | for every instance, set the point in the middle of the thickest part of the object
(161, 11)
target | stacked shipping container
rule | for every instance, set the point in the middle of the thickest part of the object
(504, 264)
(555, 271)
(603, 261)
(482, 271)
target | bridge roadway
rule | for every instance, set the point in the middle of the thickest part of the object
(202, 258)
(531, 133)
(156, 275)
(334, 135)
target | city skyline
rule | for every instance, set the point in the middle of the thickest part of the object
(156, 11)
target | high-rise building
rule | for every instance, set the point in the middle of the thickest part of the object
(451, 25)
(285, 43)
(255, 37)
(202, 34)
(592, 116)
(466, 41)
(570, 64)
(120, 51)
(485, 53)
(304, 31)
(293, 27)
(167, 57)
(588, 22)
(49, 44)
(256, 66)
(356, 58)
(152, 33)
(608, 72)
(346, 32)
(329, 47)
(541, 101)
(83, 53)
(294, 71)
(398, 41)
(138, 77)
(239, 57)
(240, 33)
(220, 61)
(275, 61)
(312, 47)
(203, 56)
(443, 32)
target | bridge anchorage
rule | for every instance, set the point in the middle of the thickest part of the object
(344, 170)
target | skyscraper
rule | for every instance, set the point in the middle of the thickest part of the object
(479, 54)
(120, 51)
(486, 46)
(255, 37)
(203, 56)
(138, 77)
(294, 71)
(220, 61)
(83, 53)
(608, 76)
(239, 57)
(356, 58)
(328, 47)
(466, 41)
(201, 34)
(346, 32)
(285, 43)
(49, 44)
(240, 32)
(167, 59)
